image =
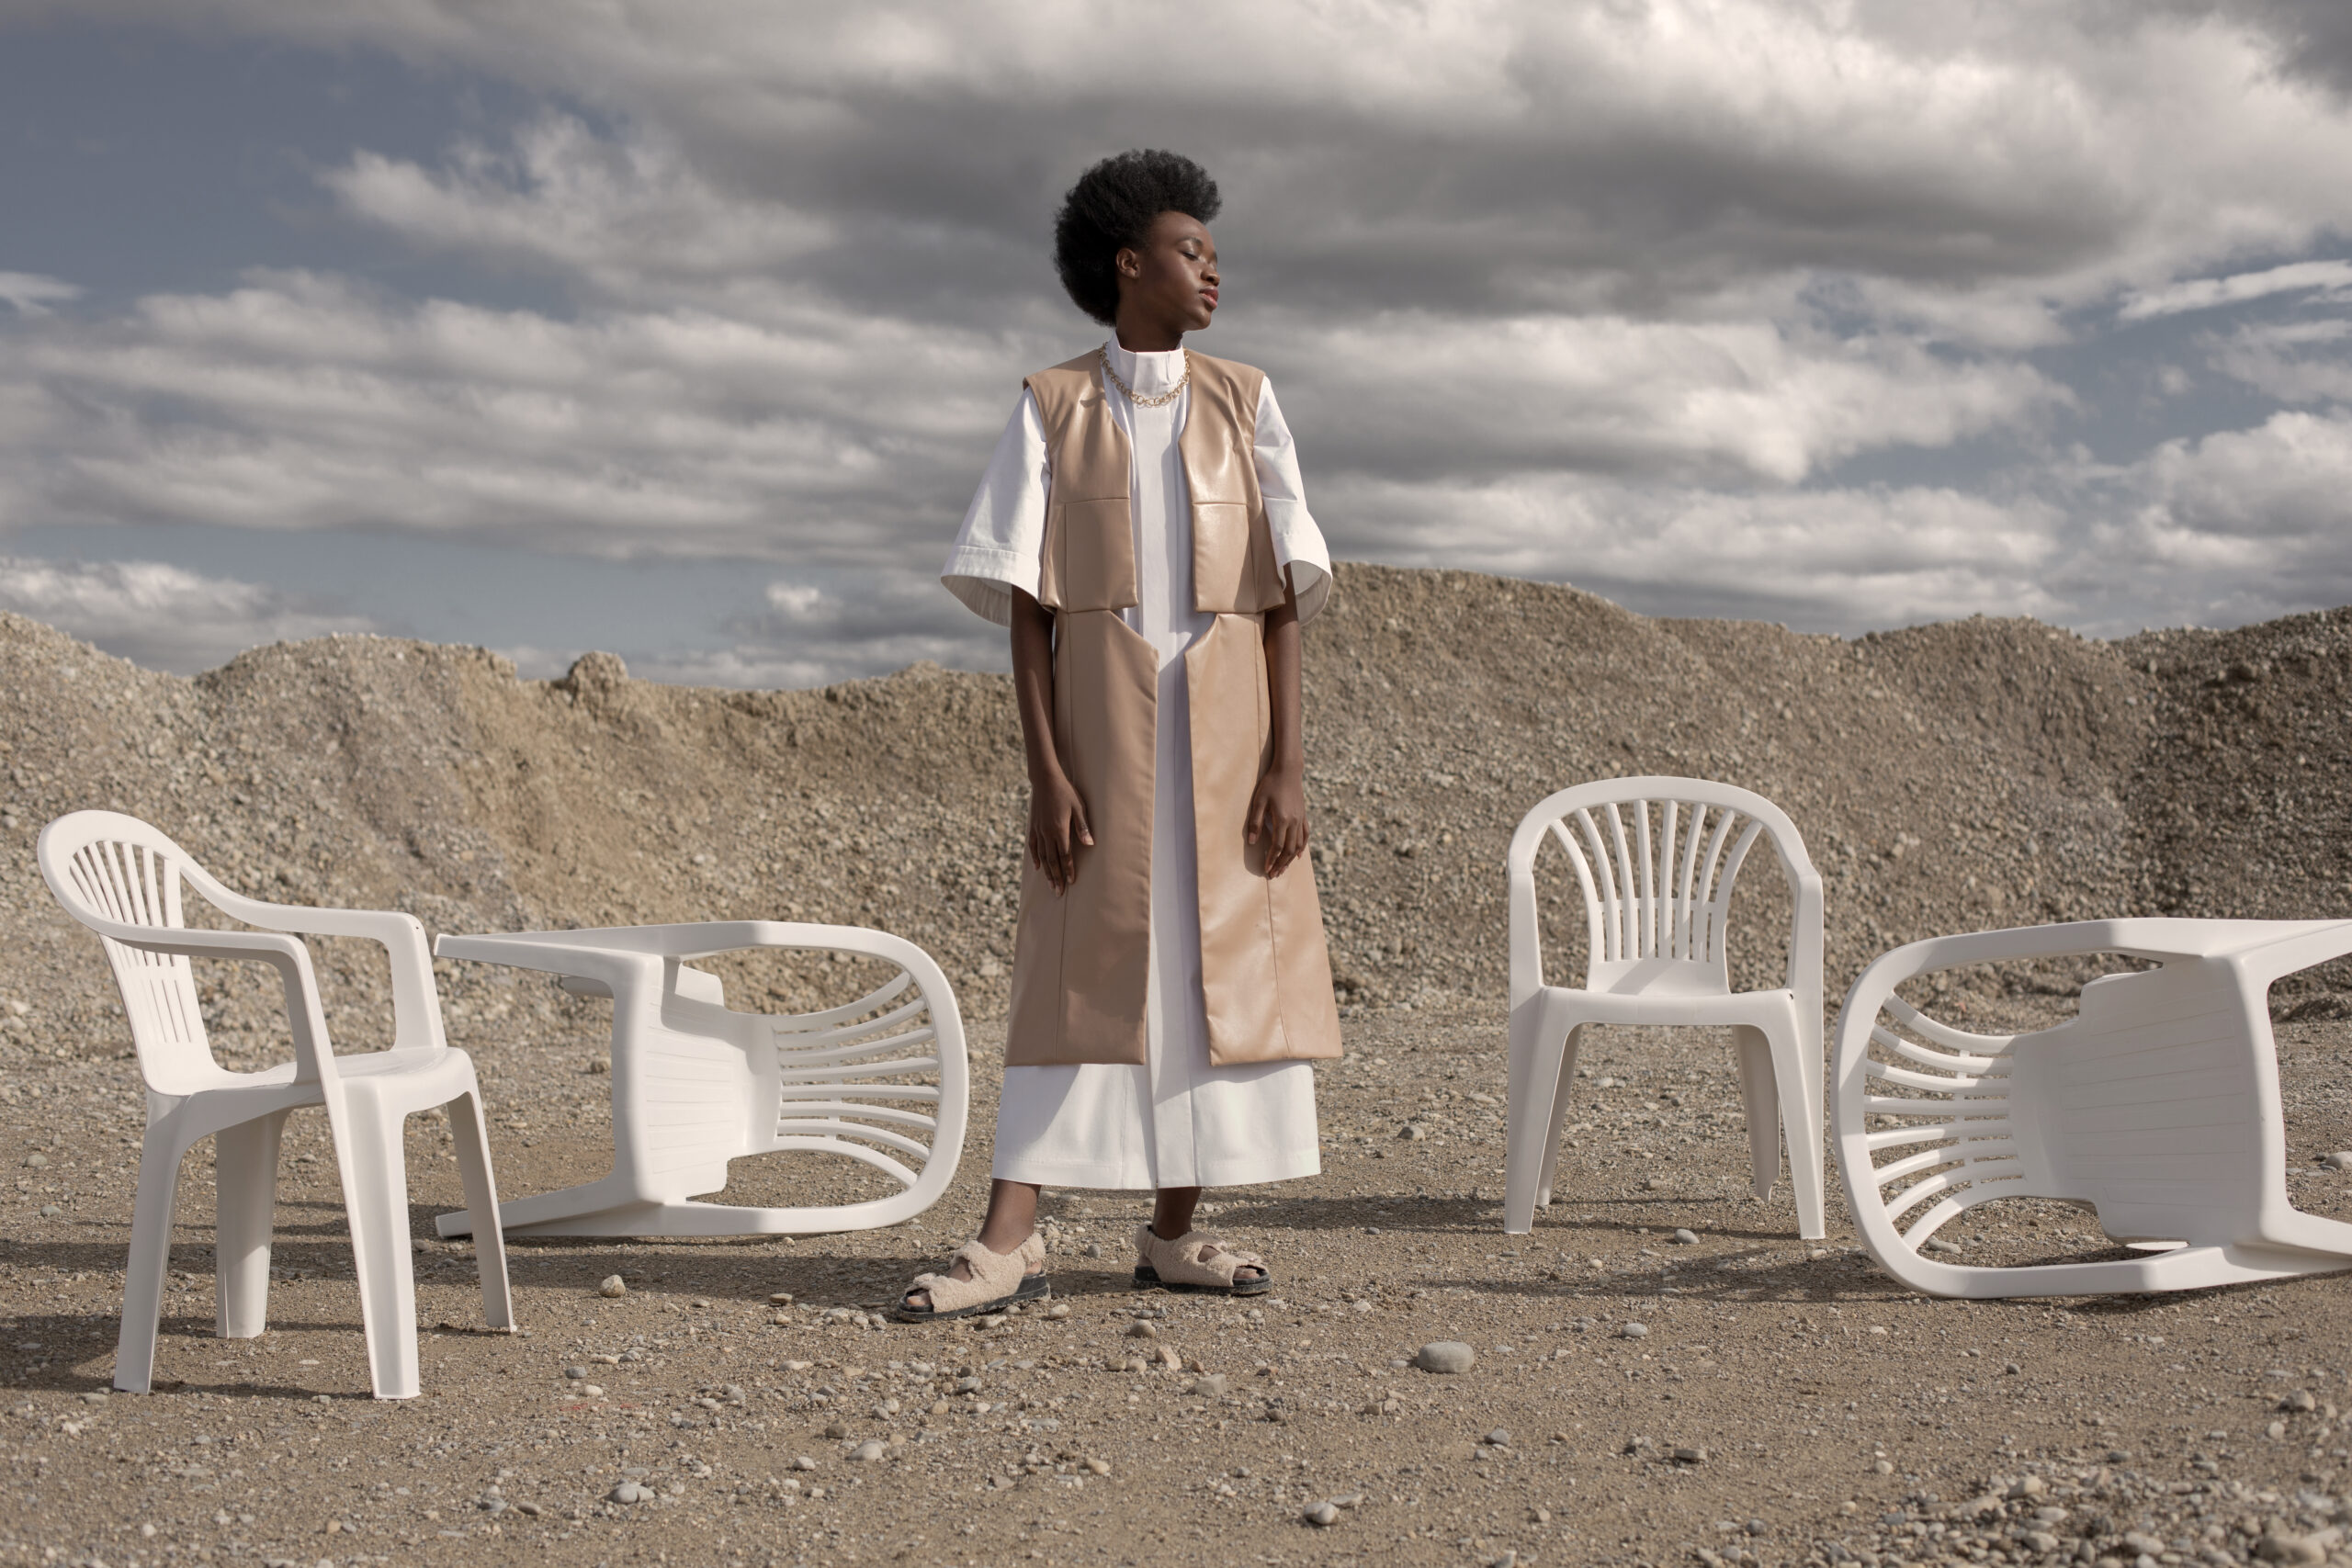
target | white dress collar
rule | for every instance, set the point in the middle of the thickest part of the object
(1148, 374)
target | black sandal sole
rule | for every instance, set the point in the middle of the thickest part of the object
(1033, 1287)
(1148, 1277)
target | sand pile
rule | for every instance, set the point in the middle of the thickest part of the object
(1977, 772)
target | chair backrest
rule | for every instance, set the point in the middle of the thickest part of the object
(1656, 858)
(106, 867)
(2156, 1104)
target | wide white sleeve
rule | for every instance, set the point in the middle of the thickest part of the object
(1298, 542)
(999, 546)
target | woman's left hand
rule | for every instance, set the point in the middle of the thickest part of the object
(1278, 815)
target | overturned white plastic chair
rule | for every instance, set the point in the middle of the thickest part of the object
(2156, 1105)
(1656, 858)
(121, 878)
(881, 1081)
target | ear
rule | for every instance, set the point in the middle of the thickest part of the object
(1127, 262)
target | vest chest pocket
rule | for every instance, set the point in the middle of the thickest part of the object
(1094, 546)
(1233, 566)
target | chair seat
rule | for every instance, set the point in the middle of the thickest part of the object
(1724, 1008)
(407, 1077)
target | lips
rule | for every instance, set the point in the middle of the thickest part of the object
(1209, 295)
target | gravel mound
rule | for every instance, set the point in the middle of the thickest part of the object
(1972, 773)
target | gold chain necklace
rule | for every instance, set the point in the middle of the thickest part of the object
(1170, 395)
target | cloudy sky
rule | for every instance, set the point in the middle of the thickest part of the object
(683, 328)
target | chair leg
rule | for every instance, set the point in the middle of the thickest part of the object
(246, 1156)
(1559, 1117)
(375, 1201)
(1800, 1114)
(1534, 1085)
(1763, 1102)
(473, 1140)
(151, 1257)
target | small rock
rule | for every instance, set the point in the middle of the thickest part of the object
(2279, 1546)
(1652, 1184)
(1057, 1311)
(2275, 1431)
(1210, 1387)
(630, 1491)
(1098, 1466)
(1412, 1133)
(1092, 1249)
(2300, 1400)
(612, 1287)
(781, 1297)
(1321, 1514)
(804, 1462)
(591, 1390)
(1142, 1331)
(2031, 1486)
(1686, 1238)
(1166, 1355)
(870, 1450)
(577, 1374)
(837, 1430)
(50, 1210)
(1497, 1438)
(1938, 1244)
(1689, 1456)
(1883, 1467)
(1633, 1331)
(2119, 1456)
(2010, 1369)
(2042, 1540)
(600, 1065)
(1446, 1356)
(992, 1320)
(531, 1510)
(36, 1160)
(2340, 1160)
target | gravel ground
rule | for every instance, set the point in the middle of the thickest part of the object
(1975, 773)
(1816, 1408)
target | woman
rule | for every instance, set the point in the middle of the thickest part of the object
(1142, 530)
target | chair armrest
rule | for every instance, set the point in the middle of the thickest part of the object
(417, 1004)
(305, 1019)
(1805, 941)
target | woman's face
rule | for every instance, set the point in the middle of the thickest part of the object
(1169, 282)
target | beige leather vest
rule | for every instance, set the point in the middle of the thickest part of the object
(1079, 964)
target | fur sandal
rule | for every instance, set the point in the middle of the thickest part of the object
(1198, 1262)
(999, 1279)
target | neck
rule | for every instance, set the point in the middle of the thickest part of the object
(1148, 340)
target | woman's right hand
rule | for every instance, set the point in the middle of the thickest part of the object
(1056, 828)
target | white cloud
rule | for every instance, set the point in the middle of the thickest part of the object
(1630, 294)
(618, 211)
(2205, 293)
(31, 294)
(2298, 362)
(161, 615)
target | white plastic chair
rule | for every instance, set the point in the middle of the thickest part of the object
(2156, 1106)
(881, 1081)
(121, 878)
(1656, 858)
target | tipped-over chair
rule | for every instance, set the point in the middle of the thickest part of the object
(2156, 1105)
(1655, 859)
(122, 879)
(880, 1081)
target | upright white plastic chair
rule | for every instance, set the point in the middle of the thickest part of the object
(121, 878)
(1656, 858)
(2156, 1105)
(881, 1081)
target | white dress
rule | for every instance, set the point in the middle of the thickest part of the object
(1176, 1121)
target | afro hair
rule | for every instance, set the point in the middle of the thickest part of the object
(1110, 207)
